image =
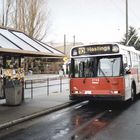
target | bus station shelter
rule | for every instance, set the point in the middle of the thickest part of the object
(14, 46)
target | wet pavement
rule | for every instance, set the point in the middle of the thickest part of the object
(126, 126)
(83, 121)
(32, 108)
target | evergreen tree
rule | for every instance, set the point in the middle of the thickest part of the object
(133, 38)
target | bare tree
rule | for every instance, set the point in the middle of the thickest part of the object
(36, 20)
(27, 16)
(19, 20)
(6, 11)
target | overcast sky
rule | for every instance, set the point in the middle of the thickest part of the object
(91, 20)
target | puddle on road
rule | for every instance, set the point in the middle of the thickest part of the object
(60, 133)
(96, 124)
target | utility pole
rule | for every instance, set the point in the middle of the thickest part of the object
(126, 21)
(64, 44)
(74, 40)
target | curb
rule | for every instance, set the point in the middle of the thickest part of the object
(35, 115)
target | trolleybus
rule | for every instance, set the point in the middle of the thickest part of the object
(104, 72)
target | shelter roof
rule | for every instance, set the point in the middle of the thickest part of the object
(17, 42)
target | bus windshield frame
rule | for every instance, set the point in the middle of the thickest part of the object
(99, 66)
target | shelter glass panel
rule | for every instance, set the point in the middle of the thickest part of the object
(4, 43)
(31, 42)
(23, 45)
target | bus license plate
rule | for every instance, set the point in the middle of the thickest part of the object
(87, 92)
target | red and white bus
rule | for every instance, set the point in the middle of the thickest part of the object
(104, 72)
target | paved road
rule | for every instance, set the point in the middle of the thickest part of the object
(101, 121)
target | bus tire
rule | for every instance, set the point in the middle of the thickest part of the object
(133, 92)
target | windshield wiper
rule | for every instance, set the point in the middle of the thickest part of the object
(104, 74)
(84, 80)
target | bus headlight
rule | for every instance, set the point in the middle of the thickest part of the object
(76, 92)
(116, 92)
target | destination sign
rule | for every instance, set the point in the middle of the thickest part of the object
(92, 50)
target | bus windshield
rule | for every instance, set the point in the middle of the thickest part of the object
(96, 66)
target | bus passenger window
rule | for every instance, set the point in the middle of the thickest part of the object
(125, 62)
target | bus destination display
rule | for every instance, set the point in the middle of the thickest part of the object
(85, 50)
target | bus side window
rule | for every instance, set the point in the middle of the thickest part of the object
(125, 65)
(125, 62)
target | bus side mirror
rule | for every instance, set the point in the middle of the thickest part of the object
(127, 70)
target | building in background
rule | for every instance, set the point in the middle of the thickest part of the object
(66, 60)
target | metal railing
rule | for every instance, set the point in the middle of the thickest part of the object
(46, 84)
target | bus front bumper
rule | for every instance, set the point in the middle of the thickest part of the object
(97, 97)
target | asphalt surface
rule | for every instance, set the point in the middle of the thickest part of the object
(126, 126)
(101, 121)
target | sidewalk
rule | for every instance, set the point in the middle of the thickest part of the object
(40, 76)
(31, 108)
